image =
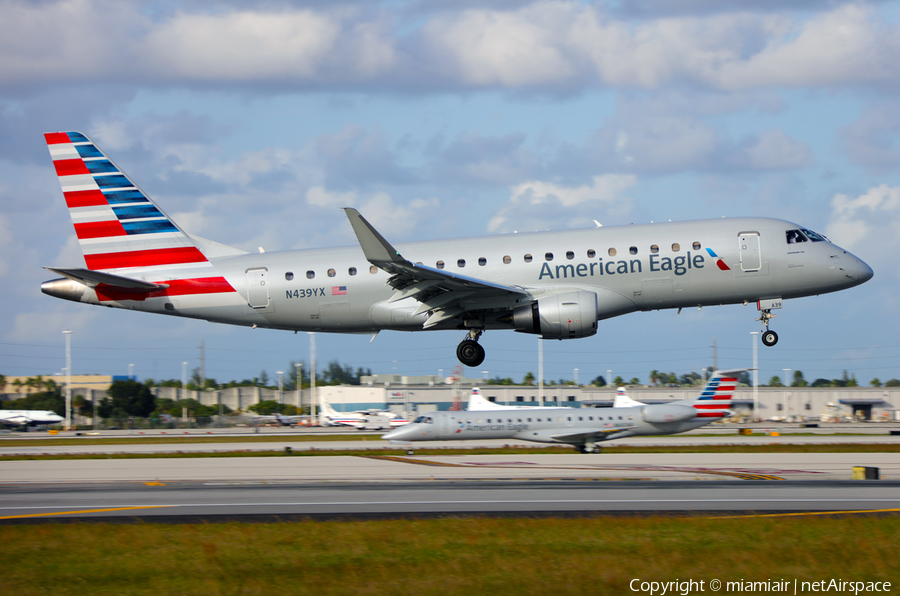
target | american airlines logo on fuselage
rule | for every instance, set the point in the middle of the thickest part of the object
(656, 263)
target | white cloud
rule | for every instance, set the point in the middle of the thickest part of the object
(868, 224)
(547, 44)
(545, 205)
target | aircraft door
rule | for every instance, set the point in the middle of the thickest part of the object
(258, 288)
(748, 243)
(443, 425)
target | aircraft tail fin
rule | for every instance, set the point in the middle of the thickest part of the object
(117, 225)
(623, 401)
(477, 402)
(715, 399)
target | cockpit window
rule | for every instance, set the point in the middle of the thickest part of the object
(423, 420)
(795, 236)
(814, 236)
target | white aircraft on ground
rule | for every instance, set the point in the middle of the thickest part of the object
(29, 417)
(623, 401)
(362, 419)
(583, 428)
(557, 285)
(477, 403)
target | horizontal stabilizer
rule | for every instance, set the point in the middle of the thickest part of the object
(92, 279)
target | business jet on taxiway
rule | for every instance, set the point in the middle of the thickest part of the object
(557, 285)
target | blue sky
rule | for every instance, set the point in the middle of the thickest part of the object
(251, 124)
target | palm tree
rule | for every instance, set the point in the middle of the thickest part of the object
(654, 377)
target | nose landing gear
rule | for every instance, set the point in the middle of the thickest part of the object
(469, 351)
(769, 337)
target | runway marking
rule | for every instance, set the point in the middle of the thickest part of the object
(157, 483)
(733, 474)
(85, 511)
(808, 513)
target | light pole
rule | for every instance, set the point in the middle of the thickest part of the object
(131, 372)
(787, 394)
(299, 387)
(68, 335)
(753, 335)
(183, 380)
(280, 388)
(575, 375)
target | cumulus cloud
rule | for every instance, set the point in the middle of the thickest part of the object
(548, 45)
(541, 205)
(867, 225)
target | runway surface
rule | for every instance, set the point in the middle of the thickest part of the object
(255, 487)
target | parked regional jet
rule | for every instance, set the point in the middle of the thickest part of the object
(623, 401)
(554, 284)
(29, 417)
(582, 428)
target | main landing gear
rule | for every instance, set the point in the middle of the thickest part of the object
(589, 448)
(469, 351)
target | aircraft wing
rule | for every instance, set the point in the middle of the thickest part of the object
(438, 291)
(590, 435)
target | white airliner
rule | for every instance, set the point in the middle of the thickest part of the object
(582, 428)
(554, 284)
(29, 417)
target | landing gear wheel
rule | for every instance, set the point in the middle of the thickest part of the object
(769, 338)
(590, 449)
(410, 452)
(470, 352)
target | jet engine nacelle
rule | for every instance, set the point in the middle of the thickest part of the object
(567, 315)
(667, 413)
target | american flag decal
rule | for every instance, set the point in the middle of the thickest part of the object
(338, 290)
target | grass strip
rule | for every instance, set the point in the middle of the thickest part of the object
(313, 452)
(453, 556)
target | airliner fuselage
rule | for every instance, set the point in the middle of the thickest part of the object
(554, 284)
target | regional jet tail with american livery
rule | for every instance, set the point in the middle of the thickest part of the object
(557, 285)
(582, 428)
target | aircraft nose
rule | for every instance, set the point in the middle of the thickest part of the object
(399, 434)
(859, 271)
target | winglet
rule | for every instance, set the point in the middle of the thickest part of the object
(373, 244)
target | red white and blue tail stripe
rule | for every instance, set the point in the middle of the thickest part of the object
(715, 401)
(121, 231)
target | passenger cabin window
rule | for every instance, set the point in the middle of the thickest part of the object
(482, 261)
(654, 249)
(507, 259)
(461, 263)
(548, 256)
(352, 270)
(528, 258)
(439, 264)
(570, 255)
(696, 246)
(310, 275)
(332, 273)
(591, 253)
(373, 269)
(633, 250)
(676, 247)
(612, 252)
(289, 276)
